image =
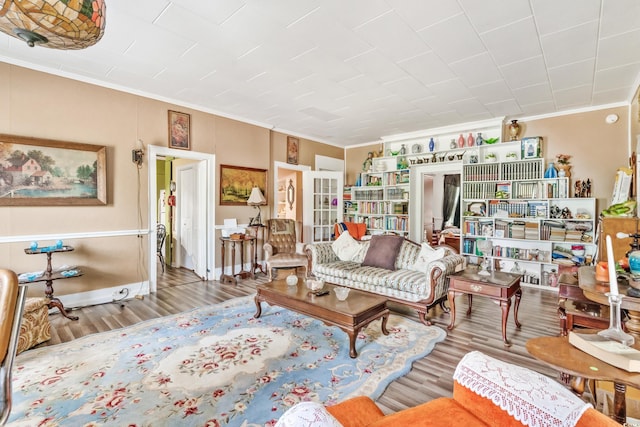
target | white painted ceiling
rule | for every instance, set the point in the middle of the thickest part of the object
(351, 71)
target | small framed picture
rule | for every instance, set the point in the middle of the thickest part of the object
(293, 146)
(179, 130)
(499, 233)
(530, 148)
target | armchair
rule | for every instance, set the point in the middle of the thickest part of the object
(12, 299)
(282, 249)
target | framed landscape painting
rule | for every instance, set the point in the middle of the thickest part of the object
(43, 172)
(236, 183)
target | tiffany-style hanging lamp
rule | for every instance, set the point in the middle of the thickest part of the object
(56, 24)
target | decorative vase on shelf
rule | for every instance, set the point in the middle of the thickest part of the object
(403, 149)
(479, 139)
(453, 144)
(564, 170)
(514, 130)
(461, 141)
(551, 171)
(432, 145)
(470, 140)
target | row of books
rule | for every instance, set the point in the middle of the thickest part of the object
(381, 208)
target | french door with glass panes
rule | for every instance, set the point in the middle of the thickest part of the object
(322, 204)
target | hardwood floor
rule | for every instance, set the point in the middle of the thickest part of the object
(430, 377)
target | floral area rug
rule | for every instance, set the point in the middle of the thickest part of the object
(213, 366)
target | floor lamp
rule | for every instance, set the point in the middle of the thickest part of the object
(256, 199)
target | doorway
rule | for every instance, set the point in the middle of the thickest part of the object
(287, 190)
(201, 199)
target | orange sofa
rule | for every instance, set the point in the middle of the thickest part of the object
(486, 392)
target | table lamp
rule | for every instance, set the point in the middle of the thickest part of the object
(256, 199)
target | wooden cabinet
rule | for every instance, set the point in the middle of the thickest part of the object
(612, 226)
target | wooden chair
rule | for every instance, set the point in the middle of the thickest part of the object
(282, 249)
(12, 300)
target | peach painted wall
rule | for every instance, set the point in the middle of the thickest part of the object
(37, 104)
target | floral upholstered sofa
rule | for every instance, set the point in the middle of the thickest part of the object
(402, 270)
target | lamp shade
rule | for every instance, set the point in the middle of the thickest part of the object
(56, 24)
(256, 198)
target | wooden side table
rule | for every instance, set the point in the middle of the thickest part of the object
(258, 230)
(498, 286)
(230, 243)
(49, 276)
(558, 353)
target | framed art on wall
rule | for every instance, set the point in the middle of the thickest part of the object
(44, 172)
(179, 130)
(293, 146)
(236, 183)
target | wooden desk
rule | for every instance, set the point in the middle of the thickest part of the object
(559, 354)
(230, 243)
(498, 286)
(595, 291)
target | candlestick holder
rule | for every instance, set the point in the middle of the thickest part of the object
(615, 331)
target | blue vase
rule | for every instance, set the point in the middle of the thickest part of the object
(551, 171)
(432, 144)
(634, 263)
(479, 139)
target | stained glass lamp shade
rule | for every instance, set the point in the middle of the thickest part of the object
(56, 24)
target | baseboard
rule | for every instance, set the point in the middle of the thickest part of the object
(105, 295)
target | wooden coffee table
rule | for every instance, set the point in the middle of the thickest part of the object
(498, 286)
(351, 315)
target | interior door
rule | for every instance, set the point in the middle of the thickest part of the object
(190, 225)
(322, 204)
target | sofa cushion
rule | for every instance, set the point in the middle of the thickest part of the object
(426, 256)
(383, 251)
(345, 247)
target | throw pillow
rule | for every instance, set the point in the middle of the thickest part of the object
(426, 256)
(345, 247)
(307, 414)
(383, 251)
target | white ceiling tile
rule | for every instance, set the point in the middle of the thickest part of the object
(453, 39)
(512, 43)
(554, 16)
(507, 107)
(393, 37)
(619, 16)
(618, 50)
(408, 88)
(420, 14)
(451, 91)
(377, 66)
(213, 11)
(572, 98)
(533, 94)
(427, 68)
(537, 108)
(570, 75)
(492, 92)
(355, 12)
(525, 73)
(617, 77)
(611, 96)
(476, 70)
(488, 15)
(582, 39)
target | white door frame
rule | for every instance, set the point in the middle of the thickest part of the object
(276, 167)
(210, 183)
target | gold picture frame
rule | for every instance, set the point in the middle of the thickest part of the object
(236, 183)
(45, 172)
(293, 149)
(179, 130)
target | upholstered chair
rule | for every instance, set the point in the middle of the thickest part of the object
(12, 299)
(282, 248)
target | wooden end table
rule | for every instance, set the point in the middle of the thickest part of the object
(498, 286)
(558, 353)
(228, 242)
(351, 315)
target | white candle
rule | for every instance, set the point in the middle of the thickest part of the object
(613, 280)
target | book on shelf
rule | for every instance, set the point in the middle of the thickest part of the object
(611, 352)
